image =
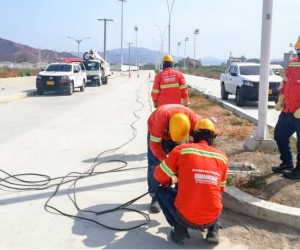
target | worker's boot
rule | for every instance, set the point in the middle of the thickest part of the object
(179, 234)
(212, 235)
(283, 166)
(292, 174)
(154, 206)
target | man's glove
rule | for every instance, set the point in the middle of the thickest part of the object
(154, 104)
(185, 102)
(279, 105)
(297, 113)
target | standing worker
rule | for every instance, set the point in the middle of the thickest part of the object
(289, 119)
(201, 173)
(168, 126)
(169, 86)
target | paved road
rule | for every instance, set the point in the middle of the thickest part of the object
(57, 134)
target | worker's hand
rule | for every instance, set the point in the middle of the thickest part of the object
(185, 102)
(154, 104)
(297, 113)
(174, 179)
(279, 105)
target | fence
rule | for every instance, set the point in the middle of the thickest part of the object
(23, 65)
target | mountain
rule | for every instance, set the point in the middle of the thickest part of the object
(16, 52)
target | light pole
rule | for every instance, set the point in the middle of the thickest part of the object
(170, 8)
(196, 32)
(178, 44)
(157, 65)
(136, 30)
(122, 32)
(105, 20)
(185, 40)
(162, 35)
(78, 41)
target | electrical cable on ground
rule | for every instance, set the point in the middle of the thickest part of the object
(20, 182)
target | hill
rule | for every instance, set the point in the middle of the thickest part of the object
(16, 52)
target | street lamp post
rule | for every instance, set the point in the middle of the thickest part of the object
(122, 32)
(162, 35)
(170, 8)
(196, 32)
(185, 40)
(78, 41)
(178, 44)
(136, 30)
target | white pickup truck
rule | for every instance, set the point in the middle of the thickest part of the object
(242, 80)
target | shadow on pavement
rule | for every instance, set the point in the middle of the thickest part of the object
(150, 236)
(122, 157)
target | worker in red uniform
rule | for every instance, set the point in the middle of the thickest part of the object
(168, 126)
(201, 172)
(169, 86)
(289, 118)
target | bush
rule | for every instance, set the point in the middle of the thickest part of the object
(21, 73)
(28, 73)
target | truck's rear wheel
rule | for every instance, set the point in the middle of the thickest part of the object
(224, 93)
(106, 80)
(83, 86)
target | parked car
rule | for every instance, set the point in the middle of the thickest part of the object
(242, 80)
(62, 77)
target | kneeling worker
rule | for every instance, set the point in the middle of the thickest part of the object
(201, 173)
(168, 126)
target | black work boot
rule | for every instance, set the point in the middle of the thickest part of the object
(179, 234)
(283, 166)
(212, 235)
(154, 206)
(292, 174)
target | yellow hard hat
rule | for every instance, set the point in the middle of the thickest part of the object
(297, 44)
(206, 124)
(179, 127)
(168, 58)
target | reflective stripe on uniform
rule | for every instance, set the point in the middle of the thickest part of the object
(167, 86)
(204, 154)
(155, 139)
(164, 167)
(223, 184)
(294, 64)
(183, 86)
(155, 91)
(191, 138)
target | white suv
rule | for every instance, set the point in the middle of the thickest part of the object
(62, 77)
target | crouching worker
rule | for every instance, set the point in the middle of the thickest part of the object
(201, 172)
(168, 126)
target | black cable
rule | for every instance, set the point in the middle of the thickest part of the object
(13, 181)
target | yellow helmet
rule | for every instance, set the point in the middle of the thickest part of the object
(297, 44)
(168, 58)
(206, 124)
(179, 127)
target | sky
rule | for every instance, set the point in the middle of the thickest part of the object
(225, 25)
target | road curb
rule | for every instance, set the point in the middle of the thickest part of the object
(238, 201)
(13, 97)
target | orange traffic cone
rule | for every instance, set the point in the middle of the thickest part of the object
(149, 75)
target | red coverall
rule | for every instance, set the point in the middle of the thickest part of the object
(169, 87)
(158, 124)
(291, 87)
(202, 172)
